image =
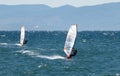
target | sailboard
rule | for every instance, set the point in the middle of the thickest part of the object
(70, 39)
(22, 35)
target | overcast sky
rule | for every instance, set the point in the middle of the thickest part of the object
(57, 3)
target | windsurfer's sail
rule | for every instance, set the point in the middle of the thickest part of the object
(70, 39)
(22, 36)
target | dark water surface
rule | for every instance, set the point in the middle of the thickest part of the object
(98, 54)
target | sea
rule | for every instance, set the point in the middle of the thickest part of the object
(98, 54)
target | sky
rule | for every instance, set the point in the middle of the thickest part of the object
(57, 3)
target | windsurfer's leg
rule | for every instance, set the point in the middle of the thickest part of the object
(68, 57)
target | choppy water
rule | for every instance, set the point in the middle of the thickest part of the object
(98, 54)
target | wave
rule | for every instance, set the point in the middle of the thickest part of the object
(2, 35)
(10, 44)
(84, 40)
(117, 74)
(3, 43)
(42, 65)
(18, 44)
(31, 53)
(108, 33)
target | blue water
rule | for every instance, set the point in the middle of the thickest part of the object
(98, 54)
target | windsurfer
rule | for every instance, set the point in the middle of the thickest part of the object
(73, 53)
(25, 41)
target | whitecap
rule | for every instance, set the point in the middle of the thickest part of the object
(42, 65)
(105, 33)
(26, 52)
(18, 44)
(2, 35)
(3, 43)
(117, 74)
(84, 40)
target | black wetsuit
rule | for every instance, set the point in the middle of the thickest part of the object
(25, 41)
(73, 52)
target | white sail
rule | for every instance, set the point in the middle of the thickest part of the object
(70, 39)
(22, 36)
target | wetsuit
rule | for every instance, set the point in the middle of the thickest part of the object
(73, 52)
(25, 41)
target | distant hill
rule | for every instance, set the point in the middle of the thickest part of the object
(42, 17)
